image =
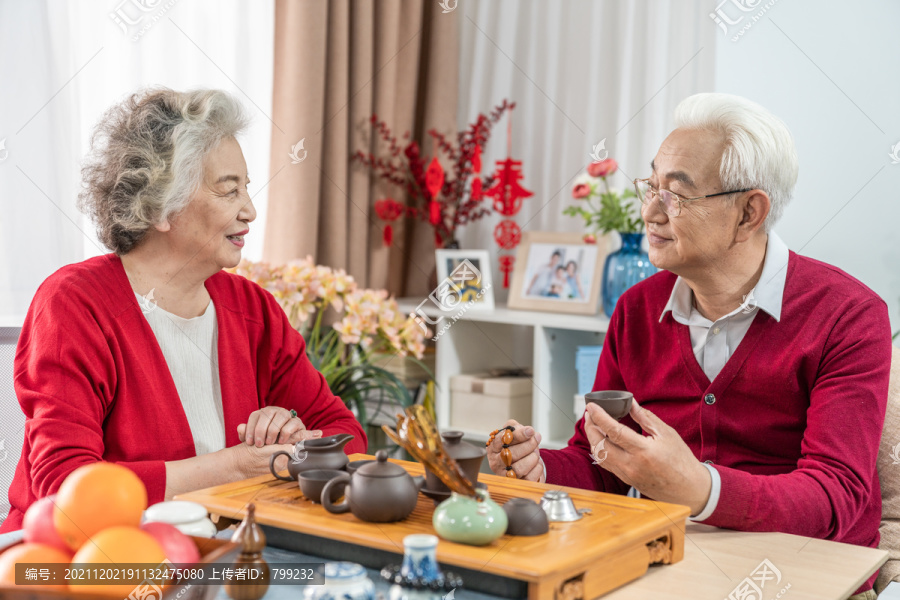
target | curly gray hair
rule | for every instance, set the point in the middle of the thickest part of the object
(146, 159)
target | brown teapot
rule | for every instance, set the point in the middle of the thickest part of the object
(379, 492)
(320, 453)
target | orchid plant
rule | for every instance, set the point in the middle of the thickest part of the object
(366, 322)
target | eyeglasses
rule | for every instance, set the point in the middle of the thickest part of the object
(670, 202)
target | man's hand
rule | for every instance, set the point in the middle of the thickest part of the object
(660, 465)
(274, 425)
(525, 454)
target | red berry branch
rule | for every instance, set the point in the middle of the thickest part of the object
(445, 198)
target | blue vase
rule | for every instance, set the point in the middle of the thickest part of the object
(624, 268)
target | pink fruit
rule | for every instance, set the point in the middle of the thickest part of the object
(178, 548)
(38, 525)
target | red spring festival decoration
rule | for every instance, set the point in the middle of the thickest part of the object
(388, 210)
(445, 196)
(508, 194)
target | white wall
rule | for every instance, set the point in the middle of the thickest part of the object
(831, 70)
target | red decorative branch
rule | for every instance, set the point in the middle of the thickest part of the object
(458, 200)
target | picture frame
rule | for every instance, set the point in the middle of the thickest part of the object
(478, 289)
(558, 272)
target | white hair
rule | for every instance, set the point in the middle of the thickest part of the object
(759, 149)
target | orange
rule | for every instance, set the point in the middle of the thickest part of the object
(94, 497)
(119, 545)
(31, 553)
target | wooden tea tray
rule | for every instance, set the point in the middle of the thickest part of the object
(584, 559)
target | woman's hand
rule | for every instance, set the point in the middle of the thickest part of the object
(274, 425)
(525, 454)
(251, 461)
(659, 465)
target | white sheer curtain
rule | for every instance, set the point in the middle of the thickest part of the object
(64, 63)
(580, 72)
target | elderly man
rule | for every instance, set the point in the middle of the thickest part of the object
(760, 376)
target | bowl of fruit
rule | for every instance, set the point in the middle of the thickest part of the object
(79, 543)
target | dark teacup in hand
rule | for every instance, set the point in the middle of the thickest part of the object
(616, 403)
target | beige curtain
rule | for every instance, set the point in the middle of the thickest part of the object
(336, 63)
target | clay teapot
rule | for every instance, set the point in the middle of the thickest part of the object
(321, 453)
(379, 492)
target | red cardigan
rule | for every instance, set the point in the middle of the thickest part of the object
(94, 385)
(796, 423)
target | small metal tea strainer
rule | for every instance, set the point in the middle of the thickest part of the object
(560, 507)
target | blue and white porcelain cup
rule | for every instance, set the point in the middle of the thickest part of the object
(420, 557)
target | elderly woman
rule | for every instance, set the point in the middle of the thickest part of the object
(153, 356)
(760, 376)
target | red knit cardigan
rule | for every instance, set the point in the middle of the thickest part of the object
(798, 409)
(94, 385)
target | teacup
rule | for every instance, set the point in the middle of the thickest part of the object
(312, 483)
(616, 403)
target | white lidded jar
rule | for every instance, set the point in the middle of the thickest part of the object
(189, 518)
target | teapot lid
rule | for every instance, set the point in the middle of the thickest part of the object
(458, 449)
(381, 467)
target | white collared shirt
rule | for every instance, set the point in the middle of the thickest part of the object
(715, 342)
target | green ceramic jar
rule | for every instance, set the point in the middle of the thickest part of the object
(470, 521)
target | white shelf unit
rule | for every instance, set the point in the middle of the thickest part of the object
(505, 338)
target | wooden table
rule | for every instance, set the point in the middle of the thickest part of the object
(717, 560)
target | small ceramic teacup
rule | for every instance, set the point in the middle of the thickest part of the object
(614, 402)
(313, 482)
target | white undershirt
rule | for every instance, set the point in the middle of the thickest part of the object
(190, 349)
